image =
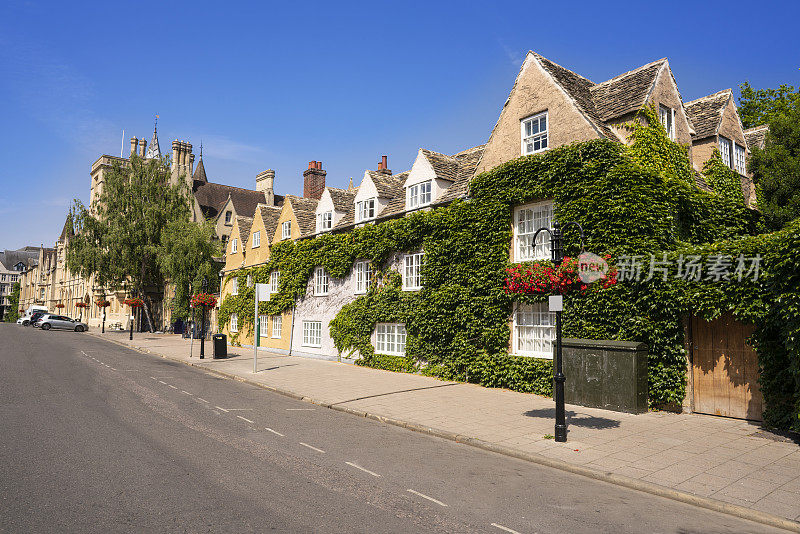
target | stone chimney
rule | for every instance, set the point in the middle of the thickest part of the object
(142, 147)
(314, 180)
(134, 146)
(383, 166)
(182, 161)
(265, 181)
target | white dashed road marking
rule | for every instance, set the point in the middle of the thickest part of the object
(173, 387)
(162, 382)
(186, 392)
(202, 399)
(299, 409)
(501, 527)
(245, 419)
(273, 431)
(223, 409)
(362, 469)
(440, 503)
(311, 447)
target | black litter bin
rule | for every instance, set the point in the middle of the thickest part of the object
(220, 346)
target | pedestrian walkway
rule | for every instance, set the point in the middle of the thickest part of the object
(709, 459)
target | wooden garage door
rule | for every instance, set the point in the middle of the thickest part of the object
(724, 369)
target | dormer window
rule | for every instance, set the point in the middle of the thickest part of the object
(286, 229)
(324, 221)
(667, 116)
(534, 133)
(725, 150)
(419, 195)
(365, 210)
(228, 215)
(257, 239)
(739, 161)
(234, 246)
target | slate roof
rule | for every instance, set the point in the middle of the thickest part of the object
(245, 223)
(342, 198)
(28, 256)
(579, 89)
(388, 186)
(467, 164)
(200, 172)
(270, 215)
(305, 211)
(705, 113)
(756, 136)
(212, 198)
(627, 92)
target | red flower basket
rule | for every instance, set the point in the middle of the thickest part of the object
(134, 302)
(22, 310)
(59, 305)
(81, 305)
(544, 278)
(206, 300)
(103, 303)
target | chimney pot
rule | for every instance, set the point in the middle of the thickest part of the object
(134, 146)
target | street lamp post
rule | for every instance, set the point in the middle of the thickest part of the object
(557, 255)
(203, 324)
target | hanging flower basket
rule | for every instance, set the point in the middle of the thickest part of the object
(134, 302)
(59, 306)
(81, 305)
(206, 300)
(22, 310)
(102, 303)
(542, 278)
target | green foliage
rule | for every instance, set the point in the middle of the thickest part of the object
(120, 242)
(185, 256)
(12, 312)
(762, 106)
(724, 180)
(776, 168)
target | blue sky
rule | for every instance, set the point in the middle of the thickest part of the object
(277, 84)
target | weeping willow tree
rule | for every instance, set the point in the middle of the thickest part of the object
(127, 241)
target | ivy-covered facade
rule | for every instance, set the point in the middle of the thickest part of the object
(435, 301)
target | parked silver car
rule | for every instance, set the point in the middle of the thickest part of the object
(46, 322)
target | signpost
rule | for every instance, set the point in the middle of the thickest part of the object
(261, 294)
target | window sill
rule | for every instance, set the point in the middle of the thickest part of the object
(312, 346)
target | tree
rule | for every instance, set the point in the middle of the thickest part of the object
(12, 313)
(121, 241)
(776, 167)
(761, 106)
(185, 257)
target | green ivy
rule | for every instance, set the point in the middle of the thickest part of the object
(723, 179)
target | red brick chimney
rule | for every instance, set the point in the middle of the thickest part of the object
(383, 166)
(314, 180)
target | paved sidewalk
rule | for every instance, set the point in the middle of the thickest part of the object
(726, 460)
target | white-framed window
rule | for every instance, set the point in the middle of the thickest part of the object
(257, 239)
(534, 330)
(320, 281)
(286, 229)
(274, 281)
(249, 280)
(725, 150)
(312, 333)
(412, 271)
(365, 210)
(528, 219)
(739, 161)
(419, 195)
(534, 133)
(667, 116)
(228, 215)
(324, 221)
(277, 325)
(262, 325)
(235, 285)
(234, 322)
(363, 273)
(234, 246)
(390, 338)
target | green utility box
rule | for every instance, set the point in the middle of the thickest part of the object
(606, 374)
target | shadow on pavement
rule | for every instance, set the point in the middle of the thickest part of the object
(573, 418)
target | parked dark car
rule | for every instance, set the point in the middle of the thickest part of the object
(35, 318)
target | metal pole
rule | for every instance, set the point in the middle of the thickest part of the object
(256, 334)
(559, 378)
(131, 320)
(104, 320)
(203, 326)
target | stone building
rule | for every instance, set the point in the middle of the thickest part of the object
(13, 263)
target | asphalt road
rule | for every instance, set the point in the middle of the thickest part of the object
(98, 438)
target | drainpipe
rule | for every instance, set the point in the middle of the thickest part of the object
(291, 331)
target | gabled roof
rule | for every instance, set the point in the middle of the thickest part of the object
(398, 203)
(245, 223)
(305, 211)
(387, 185)
(212, 197)
(468, 161)
(342, 198)
(28, 256)
(270, 216)
(200, 172)
(706, 113)
(68, 230)
(626, 93)
(756, 136)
